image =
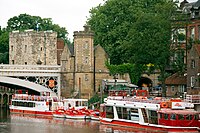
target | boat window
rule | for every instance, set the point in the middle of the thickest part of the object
(153, 117)
(161, 115)
(180, 117)
(166, 116)
(122, 113)
(109, 112)
(77, 103)
(196, 117)
(134, 114)
(188, 117)
(173, 117)
(84, 103)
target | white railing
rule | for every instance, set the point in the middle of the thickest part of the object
(195, 99)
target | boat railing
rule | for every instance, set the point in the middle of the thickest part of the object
(30, 97)
(138, 99)
(195, 99)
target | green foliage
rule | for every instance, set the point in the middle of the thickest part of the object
(178, 64)
(136, 32)
(134, 70)
(25, 21)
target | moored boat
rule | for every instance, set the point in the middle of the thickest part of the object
(161, 114)
(59, 113)
(73, 113)
(43, 105)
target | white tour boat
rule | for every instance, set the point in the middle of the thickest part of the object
(44, 104)
(170, 115)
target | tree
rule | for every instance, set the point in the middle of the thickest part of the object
(136, 32)
(25, 21)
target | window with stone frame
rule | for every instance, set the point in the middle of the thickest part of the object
(192, 33)
(12, 48)
(85, 46)
(86, 77)
(192, 63)
(25, 49)
(86, 60)
(172, 88)
(192, 81)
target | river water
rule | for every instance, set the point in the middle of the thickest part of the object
(15, 123)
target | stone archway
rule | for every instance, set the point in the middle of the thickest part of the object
(144, 82)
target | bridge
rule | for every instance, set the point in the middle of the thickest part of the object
(34, 78)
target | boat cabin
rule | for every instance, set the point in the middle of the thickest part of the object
(181, 118)
(76, 103)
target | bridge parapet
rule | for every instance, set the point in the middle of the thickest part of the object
(30, 67)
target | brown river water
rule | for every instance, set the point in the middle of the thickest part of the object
(15, 123)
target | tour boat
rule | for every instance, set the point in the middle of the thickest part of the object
(170, 115)
(43, 104)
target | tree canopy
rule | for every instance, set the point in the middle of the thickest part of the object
(134, 31)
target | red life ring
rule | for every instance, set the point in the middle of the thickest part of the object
(164, 105)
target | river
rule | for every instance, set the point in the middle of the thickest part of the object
(15, 123)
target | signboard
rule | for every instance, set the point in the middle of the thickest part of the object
(178, 105)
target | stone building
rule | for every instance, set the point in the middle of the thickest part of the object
(83, 66)
(31, 48)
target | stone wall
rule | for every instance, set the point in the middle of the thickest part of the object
(31, 48)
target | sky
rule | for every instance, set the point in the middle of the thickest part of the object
(71, 14)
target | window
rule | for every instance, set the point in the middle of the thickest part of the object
(109, 112)
(122, 113)
(180, 117)
(172, 88)
(166, 116)
(85, 46)
(173, 117)
(12, 48)
(25, 49)
(196, 117)
(153, 117)
(192, 81)
(188, 117)
(193, 64)
(192, 32)
(86, 60)
(25, 63)
(86, 77)
(13, 62)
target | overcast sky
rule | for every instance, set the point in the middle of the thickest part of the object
(71, 14)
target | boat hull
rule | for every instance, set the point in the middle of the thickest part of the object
(149, 127)
(77, 117)
(31, 112)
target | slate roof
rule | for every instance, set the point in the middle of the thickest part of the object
(196, 5)
(176, 79)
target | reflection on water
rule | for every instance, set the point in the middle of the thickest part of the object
(17, 123)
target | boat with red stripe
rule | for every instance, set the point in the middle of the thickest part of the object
(160, 114)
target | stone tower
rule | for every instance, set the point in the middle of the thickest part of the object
(84, 62)
(33, 48)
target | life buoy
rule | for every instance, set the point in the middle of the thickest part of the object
(164, 105)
